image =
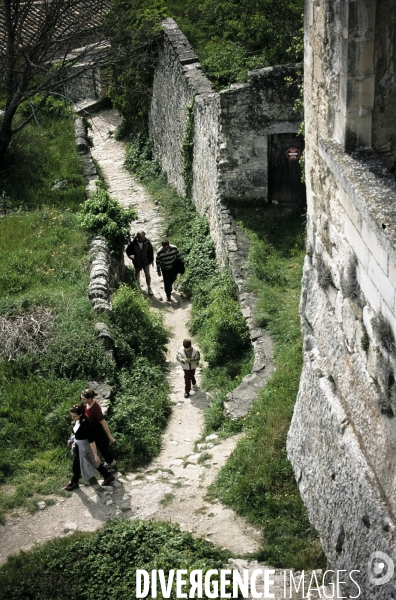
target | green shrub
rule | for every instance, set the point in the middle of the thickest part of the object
(234, 37)
(57, 570)
(78, 354)
(141, 329)
(53, 108)
(139, 411)
(221, 328)
(139, 158)
(103, 215)
(135, 34)
(198, 251)
(187, 150)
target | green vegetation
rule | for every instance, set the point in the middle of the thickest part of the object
(135, 33)
(43, 274)
(216, 318)
(230, 38)
(49, 346)
(103, 215)
(139, 415)
(39, 159)
(53, 108)
(59, 569)
(236, 36)
(258, 480)
(187, 150)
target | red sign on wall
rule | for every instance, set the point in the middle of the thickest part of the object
(293, 153)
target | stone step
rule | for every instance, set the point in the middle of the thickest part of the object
(90, 105)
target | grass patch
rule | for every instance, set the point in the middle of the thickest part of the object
(54, 570)
(167, 499)
(44, 266)
(204, 457)
(258, 480)
(38, 159)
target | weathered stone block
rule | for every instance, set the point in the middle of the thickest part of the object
(381, 281)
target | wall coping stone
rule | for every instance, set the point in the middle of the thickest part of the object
(368, 184)
(187, 58)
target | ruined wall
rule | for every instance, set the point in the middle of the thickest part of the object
(342, 439)
(94, 82)
(178, 79)
(250, 112)
(231, 130)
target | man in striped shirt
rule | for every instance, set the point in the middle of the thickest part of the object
(164, 260)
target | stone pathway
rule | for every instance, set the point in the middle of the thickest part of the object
(173, 487)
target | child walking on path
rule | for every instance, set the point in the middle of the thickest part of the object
(189, 358)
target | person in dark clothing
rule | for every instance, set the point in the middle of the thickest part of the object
(141, 252)
(165, 258)
(86, 458)
(101, 431)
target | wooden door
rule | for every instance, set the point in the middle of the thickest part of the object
(284, 171)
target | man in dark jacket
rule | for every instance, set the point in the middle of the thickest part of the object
(141, 252)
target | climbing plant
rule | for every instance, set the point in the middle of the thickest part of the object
(188, 150)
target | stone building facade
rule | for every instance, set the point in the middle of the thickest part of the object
(342, 441)
(232, 130)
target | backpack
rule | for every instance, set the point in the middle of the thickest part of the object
(178, 266)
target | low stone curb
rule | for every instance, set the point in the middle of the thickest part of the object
(236, 246)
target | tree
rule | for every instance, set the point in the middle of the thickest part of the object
(134, 30)
(44, 45)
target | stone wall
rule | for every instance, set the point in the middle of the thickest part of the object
(94, 81)
(178, 79)
(231, 130)
(87, 85)
(249, 113)
(342, 439)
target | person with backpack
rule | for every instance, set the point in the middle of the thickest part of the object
(166, 258)
(189, 358)
(141, 252)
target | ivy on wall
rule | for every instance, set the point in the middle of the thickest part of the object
(187, 151)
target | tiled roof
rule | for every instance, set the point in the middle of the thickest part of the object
(63, 21)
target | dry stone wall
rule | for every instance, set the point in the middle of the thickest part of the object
(342, 439)
(177, 81)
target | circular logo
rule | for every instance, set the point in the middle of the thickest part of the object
(380, 568)
(293, 153)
